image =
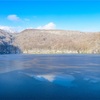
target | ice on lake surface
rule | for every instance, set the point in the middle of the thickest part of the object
(50, 77)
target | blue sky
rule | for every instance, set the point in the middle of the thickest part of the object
(83, 15)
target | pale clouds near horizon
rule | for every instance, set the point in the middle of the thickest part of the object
(11, 29)
(50, 25)
(7, 28)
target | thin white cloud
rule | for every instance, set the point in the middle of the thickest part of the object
(50, 25)
(26, 19)
(13, 17)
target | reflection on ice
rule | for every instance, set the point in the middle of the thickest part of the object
(64, 80)
(47, 77)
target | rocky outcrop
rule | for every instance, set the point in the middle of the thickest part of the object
(6, 43)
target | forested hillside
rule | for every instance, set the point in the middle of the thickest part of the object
(57, 41)
(49, 41)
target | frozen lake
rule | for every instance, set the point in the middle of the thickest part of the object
(50, 77)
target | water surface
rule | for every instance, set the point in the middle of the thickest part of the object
(50, 77)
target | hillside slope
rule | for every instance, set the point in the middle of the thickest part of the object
(57, 41)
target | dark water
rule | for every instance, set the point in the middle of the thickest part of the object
(50, 77)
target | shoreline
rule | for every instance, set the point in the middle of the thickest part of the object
(58, 52)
